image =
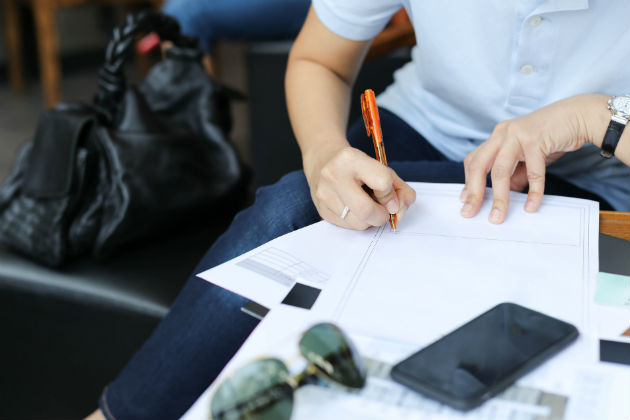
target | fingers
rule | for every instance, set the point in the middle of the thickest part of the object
(362, 205)
(476, 167)
(380, 179)
(406, 195)
(388, 188)
(340, 183)
(518, 182)
(501, 173)
(536, 166)
(389, 199)
(513, 160)
(370, 190)
(331, 208)
(351, 221)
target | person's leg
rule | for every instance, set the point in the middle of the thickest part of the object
(205, 326)
(214, 20)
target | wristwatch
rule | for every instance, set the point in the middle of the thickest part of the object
(620, 107)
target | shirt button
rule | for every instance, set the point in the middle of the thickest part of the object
(535, 21)
(527, 69)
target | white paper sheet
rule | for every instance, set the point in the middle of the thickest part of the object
(397, 291)
(266, 274)
(439, 270)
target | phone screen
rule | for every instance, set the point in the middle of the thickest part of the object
(484, 356)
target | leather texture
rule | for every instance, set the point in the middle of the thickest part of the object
(611, 138)
(139, 160)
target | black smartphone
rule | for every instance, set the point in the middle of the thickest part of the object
(483, 357)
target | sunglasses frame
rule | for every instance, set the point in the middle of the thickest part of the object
(318, 372)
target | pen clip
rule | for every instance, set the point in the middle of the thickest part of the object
(367, 120)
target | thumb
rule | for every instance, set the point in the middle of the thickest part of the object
(388, 198)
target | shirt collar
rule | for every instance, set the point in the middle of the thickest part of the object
(550, 6)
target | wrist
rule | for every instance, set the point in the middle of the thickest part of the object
(315, 157)
(597, 118)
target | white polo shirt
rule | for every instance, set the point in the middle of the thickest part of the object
(479, 62)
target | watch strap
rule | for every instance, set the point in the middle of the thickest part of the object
(611, 138)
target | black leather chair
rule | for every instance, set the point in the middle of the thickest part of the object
(66, 333)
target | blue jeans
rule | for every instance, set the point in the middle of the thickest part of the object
(205, 326)
(212, 20)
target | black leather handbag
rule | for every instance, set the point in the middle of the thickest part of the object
(137, 161)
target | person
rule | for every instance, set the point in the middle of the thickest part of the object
(501, 90)
(216, 20)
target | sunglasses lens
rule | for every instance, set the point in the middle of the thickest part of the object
(328, 348)
(257, 391)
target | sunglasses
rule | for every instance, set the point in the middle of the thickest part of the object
(264, 389)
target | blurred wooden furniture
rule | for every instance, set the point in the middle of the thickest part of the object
(615, 223)
(44, 13)
(397, 34)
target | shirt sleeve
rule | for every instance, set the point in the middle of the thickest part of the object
(358, 20)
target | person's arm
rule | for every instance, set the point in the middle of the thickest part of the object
(321, 70)
(518, 151)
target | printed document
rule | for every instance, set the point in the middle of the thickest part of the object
(397, 291)
(438, 270)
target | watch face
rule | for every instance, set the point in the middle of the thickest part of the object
(621, 104)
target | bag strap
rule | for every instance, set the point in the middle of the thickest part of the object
(111, 77)
(51, 163)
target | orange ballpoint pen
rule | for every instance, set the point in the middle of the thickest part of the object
(373, 127)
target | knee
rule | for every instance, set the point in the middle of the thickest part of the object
(287, 204)
(279, 209)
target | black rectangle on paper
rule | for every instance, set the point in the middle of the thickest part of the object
(256, 310)
(614, 351)
(302, 296)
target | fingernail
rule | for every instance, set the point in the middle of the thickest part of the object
(463, 195)
(495, 216)
(530, 206)
(467, 209)
(392, 206)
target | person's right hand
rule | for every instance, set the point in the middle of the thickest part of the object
(337, 178)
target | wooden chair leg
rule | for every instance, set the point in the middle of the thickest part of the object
(48, 45)
(14, 44)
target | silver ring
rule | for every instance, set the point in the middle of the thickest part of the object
(345, 212)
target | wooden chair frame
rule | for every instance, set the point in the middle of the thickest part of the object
(44, 13)
(615, 223)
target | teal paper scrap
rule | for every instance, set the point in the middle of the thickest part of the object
(612, 289)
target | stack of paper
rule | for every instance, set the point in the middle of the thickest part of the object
(397, 291)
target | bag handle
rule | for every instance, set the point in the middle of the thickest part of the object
(111, 76)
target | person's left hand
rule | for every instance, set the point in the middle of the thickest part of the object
(518, 151)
